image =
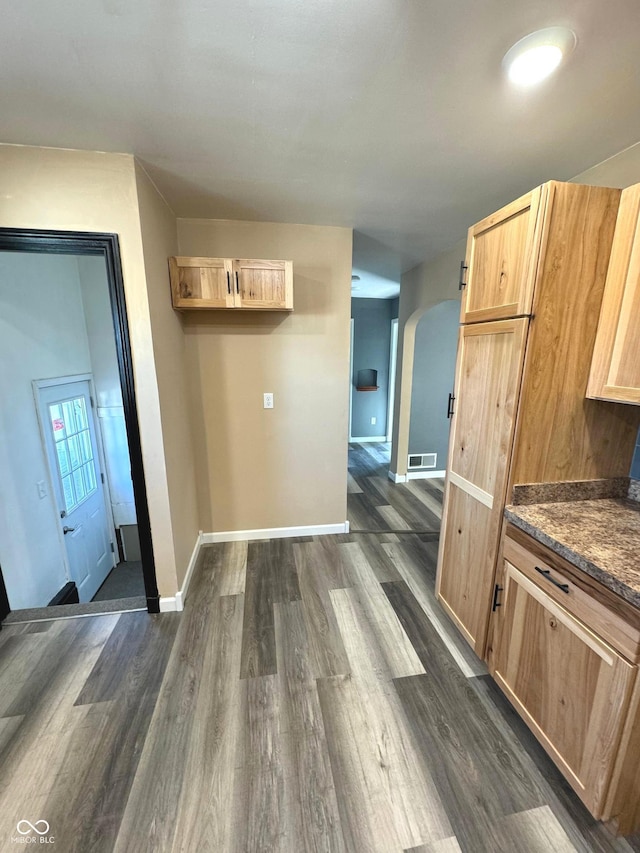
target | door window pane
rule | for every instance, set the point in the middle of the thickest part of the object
(68, 415)
(80, 414)
(86, 451)
(74, 451)
(63, 458)
(89, 476)
(78, 483)
(69, 498)
(57, 422)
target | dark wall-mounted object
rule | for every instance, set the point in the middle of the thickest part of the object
(367, 380)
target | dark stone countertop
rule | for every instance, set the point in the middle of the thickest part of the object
(601, 537)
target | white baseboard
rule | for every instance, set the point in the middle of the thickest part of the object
(176, 602)
(181, 595)
(376, 438)
(274, 533)
(415, 475)
(173, 603)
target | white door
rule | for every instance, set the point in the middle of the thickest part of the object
(69, 432)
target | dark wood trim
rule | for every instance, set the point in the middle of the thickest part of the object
(5, 608)
(67, 595)
(106, 245)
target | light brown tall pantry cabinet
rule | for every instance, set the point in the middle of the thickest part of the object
(535, 273)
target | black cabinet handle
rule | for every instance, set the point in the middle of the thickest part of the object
(564, 587)
(497, 590)
(450, 406)
(228, 282)
(463, 268)
(237, 283)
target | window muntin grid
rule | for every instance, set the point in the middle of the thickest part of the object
(74, 450)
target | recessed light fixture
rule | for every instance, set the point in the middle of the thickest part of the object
(537, 55)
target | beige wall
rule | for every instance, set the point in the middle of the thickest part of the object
(284, 467)
(159, 242)
(621, 170)
(48, 188)
(421, 288)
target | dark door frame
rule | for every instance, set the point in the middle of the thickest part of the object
(5, 609)
(108, 247)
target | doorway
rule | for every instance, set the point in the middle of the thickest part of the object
(374, 329)
(90, 483)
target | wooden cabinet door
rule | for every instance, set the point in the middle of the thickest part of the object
(615, 369)
(266, 285)
(570, 687)
(201, 283)
(501, 261)
(488, 374)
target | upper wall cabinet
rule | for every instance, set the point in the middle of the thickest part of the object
(615, 369)
(498, 276)
(254, 285)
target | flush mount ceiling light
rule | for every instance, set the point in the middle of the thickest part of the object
(537, 55)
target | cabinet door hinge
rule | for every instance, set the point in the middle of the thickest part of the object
(463, 268)
(497, 590)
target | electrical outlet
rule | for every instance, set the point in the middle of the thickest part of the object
(373, 421)
(268, 401)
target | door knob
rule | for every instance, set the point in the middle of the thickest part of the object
(66, 530)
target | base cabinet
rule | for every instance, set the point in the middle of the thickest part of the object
(575, 691)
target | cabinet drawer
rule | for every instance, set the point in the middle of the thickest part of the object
(574, 591)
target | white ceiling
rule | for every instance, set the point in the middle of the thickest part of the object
(372, 286)
(391, 116)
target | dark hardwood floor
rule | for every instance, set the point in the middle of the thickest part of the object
(311, 697)
(376, 504)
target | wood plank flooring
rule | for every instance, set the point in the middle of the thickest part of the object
(375, 504)
(311, 697)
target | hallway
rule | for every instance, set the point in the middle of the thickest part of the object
(312, 696)
(376, 504)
